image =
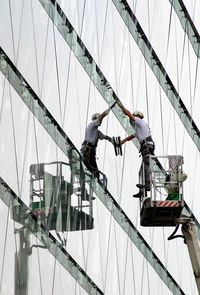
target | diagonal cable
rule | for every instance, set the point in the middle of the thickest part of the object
(187, 24)
(40, 111)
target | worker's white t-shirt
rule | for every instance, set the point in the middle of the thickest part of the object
(92, 134)
(142, 130)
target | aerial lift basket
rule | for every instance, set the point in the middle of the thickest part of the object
(163, 205)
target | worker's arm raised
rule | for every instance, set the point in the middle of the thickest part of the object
(126, 112)
(106, 112)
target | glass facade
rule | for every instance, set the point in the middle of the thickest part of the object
(61, 62)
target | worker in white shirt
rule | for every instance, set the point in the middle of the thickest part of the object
(92, 135)
(147, 146)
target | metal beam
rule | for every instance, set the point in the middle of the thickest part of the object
(30, 221)
(187, 24)
(56, 132)
(158, 69)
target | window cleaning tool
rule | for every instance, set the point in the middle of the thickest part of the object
(117, 145)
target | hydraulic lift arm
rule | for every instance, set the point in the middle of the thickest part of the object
(192, 242)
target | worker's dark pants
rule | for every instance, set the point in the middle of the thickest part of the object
(147, 172)
(146, 151)
(89, 157)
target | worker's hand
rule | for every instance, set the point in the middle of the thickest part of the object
(112, 106)
(119, 104)
(111, 140)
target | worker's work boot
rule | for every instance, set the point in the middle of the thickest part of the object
(142, 191)
(141, 186)
(138, 195)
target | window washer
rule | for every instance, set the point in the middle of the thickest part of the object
(147, 147)
(92, 135)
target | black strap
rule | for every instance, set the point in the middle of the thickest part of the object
(146, 147)
(147, 140)
(89, 144)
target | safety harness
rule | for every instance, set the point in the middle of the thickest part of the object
(147, 148)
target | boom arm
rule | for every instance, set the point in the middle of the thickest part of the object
(191, 239)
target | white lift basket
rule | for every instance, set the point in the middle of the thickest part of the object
(163, 204)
